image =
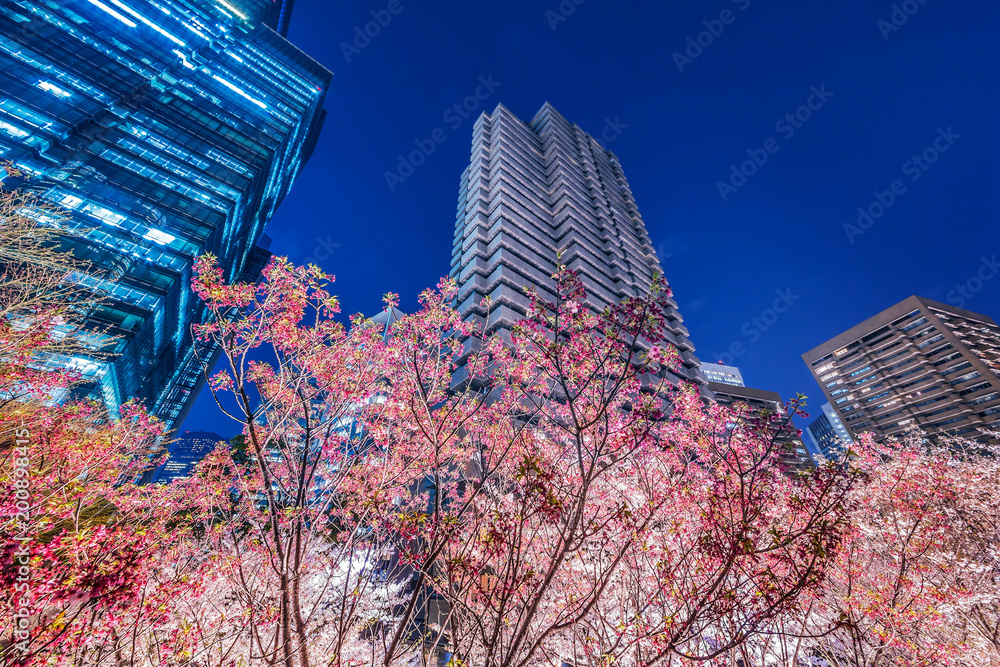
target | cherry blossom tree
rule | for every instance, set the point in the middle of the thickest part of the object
(79, 539)
(43, 303)
(416, 489)
(302, 525)
(534, 497)
(75, 535)
(596, 514)
(915, 582)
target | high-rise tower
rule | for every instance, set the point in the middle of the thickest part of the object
(723, 374)
(828, 433)
(163, 130)
(534, 190)
(920, 364)
(184, 454)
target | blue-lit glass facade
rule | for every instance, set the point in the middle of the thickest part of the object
(164, 129)
(184, 454)
(829, 434)
(279, 16)
(723, 374)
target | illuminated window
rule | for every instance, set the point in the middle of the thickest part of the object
(112, 12)
(50, 87)
(132, 12)
(233, 9)
(12, 131)
(238, 91)
(156, 236)
(103, 214)
(71, 201)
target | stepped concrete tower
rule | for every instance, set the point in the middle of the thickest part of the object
(534, 190)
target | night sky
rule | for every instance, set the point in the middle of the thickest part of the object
(885, 85)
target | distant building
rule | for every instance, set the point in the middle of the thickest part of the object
(794, 453)
(161, 131)
(182, 456)
(278, 16)
(919, 363)
(544, 192)
(723, 374)
(386, 319)
(829, 435)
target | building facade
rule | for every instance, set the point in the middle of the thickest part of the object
(723, 374)
(920, 364)
(540, 193)
(794, 454)
(828, 434)
(183, 454)
(278, 16)
(162, 130)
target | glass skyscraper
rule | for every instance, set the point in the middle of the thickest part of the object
(164, 129)
(828, 434)
(184, 454)
(723, 374)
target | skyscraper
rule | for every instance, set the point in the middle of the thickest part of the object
(278, 15)
(163, 130)
(534, 190)
(828, 433)
(183, 454)
(723, 374)
(919, 363)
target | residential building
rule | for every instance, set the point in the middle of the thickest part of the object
(542, 193)
(183, 454)
(723, 374)
(828, 434)
(794, 454)
(163, 130)
(920, 364)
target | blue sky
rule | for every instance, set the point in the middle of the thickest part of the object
(829, 102)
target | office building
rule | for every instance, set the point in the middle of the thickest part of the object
(184, 454)
(794, 454)
(533, 191)
(723, 374)
(828, 434)
(163, 130)
(278, 15)
(920, 364)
